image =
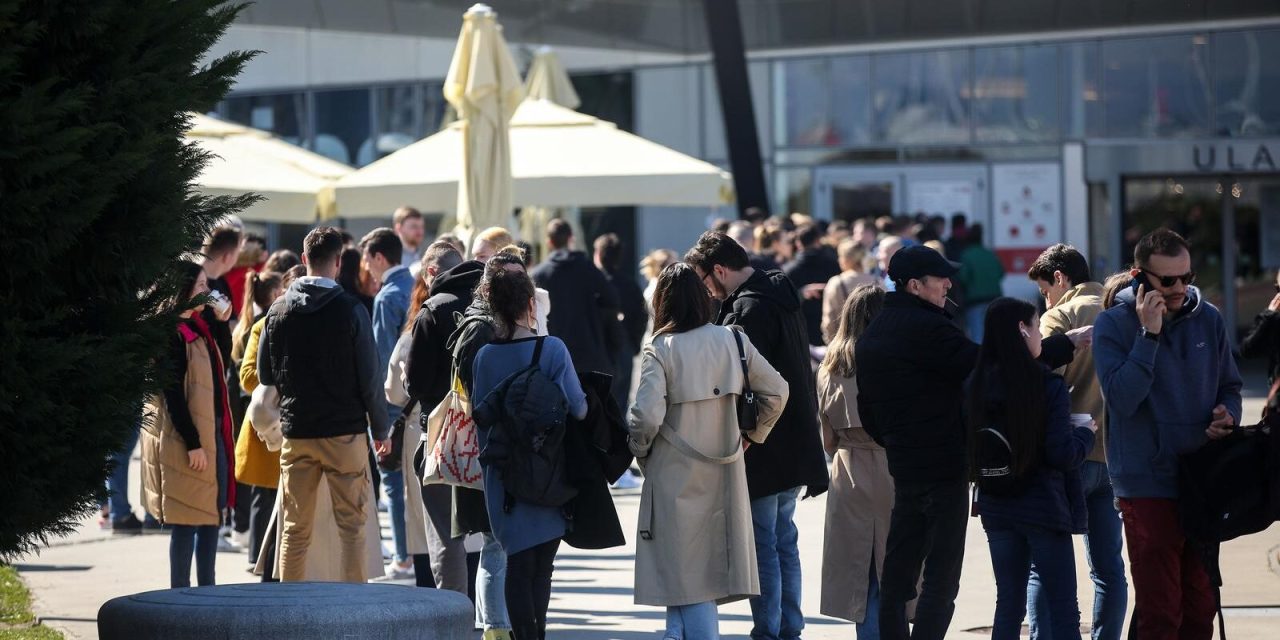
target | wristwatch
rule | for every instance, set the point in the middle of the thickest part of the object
(1150, 335)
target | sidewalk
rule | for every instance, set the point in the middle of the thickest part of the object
(591, 595)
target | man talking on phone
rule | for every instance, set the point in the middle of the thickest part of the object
(1171, 384)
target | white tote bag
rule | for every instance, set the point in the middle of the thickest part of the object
(452, 451)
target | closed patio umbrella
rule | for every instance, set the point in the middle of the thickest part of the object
(484, 86)
(548, 80)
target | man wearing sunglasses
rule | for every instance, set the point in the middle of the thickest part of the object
(1171, 384)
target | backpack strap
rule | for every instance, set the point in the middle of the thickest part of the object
(537, 350)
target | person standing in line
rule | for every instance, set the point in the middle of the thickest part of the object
(810, 271)
(380, 251)
(421, 371)
(838, 288)
(695, 539)
(530, 534)
(187, 474)
(257, 470)
(409, 227)
(981, 277)
(633, 318)
(584, 307)
(1171, 384)
(767, 307)
(887, 246)
(1073, 301)
(912, 362)
(1263, 340)
(861, 498)
(1019, 414)
(317, 348)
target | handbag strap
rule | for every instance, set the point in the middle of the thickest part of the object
(742, 358)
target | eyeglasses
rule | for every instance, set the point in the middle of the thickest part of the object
(1188, 278)
(704, 276)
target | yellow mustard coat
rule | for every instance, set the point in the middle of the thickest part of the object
(695, 541)
(255, 464)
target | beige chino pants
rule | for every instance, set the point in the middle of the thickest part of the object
(344, 461)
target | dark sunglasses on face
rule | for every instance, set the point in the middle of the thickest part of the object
(1188, 278)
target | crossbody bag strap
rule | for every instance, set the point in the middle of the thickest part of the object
(742, 359)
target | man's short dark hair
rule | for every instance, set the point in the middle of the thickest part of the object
(405, 213)
(442, 255)
(221, 241)
(383, 241)
(558, 233)
(715, 248)
(755, 215)
(1064, 258)
(609, 248)
(322, 246)
(1161, 242)
(808, 234)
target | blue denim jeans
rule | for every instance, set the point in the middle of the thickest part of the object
(1014, 547)
(491, 586)
(186, 540)
(869, 628)
(776, 611)
(393, 486)
(1106, 564)
(693, 622)
(118, 480)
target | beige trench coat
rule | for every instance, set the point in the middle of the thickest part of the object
(858, 505)
(695, 542)
(415, 517)
(324, 554)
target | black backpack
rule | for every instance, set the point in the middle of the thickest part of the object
(1224, 487)
(526, 417)
(993, 463)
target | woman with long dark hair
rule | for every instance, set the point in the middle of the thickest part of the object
(186, 439)
(529, 533)
(1026, 454)
(696, 547)
(861, 498)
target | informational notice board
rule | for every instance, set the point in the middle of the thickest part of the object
(1027, 211)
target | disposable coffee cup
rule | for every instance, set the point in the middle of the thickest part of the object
(220, 302)
(1081, 420)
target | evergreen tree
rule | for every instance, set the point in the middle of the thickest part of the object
(97, 204)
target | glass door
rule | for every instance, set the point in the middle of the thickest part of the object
(848, 193)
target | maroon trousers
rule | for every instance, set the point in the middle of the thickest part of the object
(1173, 596)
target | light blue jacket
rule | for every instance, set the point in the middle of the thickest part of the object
(1160, 395)
(390, 311)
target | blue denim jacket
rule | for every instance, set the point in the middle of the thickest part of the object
(390, 311)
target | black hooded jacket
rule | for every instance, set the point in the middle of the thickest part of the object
(430, 367)
(767, 307)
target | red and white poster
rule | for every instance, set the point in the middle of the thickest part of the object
(1027, 215)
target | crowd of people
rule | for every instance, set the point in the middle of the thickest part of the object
(780, 359)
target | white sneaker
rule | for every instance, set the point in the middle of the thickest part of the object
(628, 480)
(240, 538)
(395, 571)
(226, 545)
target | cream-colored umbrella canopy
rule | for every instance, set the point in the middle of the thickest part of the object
(484, 86)
(547, 80)
(296, 184)
(559, 158)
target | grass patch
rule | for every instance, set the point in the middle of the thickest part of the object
(15, 610)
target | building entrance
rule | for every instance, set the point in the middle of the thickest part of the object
(1233, 225)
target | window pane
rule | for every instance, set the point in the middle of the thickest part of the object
(792, 190)
(342, 125)
(1015, 94)
(1081, 91)
(283, 114)
(1246, 87)
(921, 97)
(823, 101)
(399, 120)
(1156, 87)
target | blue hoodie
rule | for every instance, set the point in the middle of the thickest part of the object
(1160, 394)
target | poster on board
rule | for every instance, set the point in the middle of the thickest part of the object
(1027, 215)
(940, 197)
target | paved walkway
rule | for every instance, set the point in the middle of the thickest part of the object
(591, 595)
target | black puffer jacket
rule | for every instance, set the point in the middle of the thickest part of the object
(767, 307)
(911, 366)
